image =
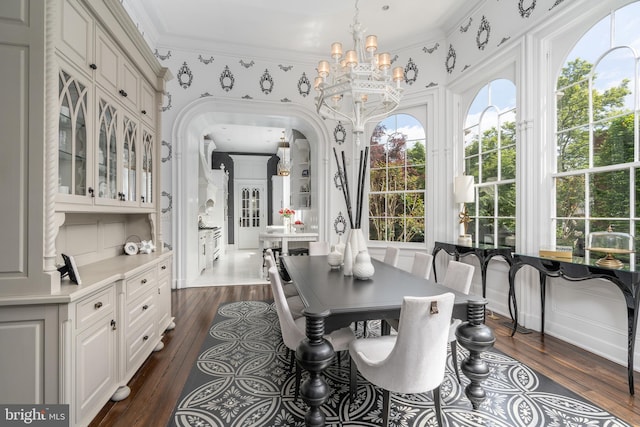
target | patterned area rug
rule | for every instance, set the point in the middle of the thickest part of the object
(242, 378)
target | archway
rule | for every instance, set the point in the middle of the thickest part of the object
(187, 132)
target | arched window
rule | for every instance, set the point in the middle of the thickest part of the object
(397, 180)
(597, 178)
(490, 157)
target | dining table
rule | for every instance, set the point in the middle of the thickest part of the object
(333, 300)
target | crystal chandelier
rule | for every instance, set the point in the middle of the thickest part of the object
(359, 85)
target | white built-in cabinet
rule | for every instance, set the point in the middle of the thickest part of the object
(79, 155)
(301, 174)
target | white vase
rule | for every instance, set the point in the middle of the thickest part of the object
(363, 269)
(288, 226)
(356, 239)
(347, 267)
(334, 258)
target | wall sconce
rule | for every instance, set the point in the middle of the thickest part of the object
(464, 192)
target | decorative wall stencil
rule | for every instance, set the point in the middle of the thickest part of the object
(556, 4)
(465, 28)
(185, 77)
(203, 95)
(525, 12)
(162, 57)
(337, 180)
(432, 84)
(266, 82)
(168, 150)
(339, 133)
(465, 68)
(394, 59)
(247, 64)
(247, 97)
(285, 100)
(340, 224)
(205, 61)
(430, 50)
(167, 204)
(482, 38)
(226, 79)
(450, 62)
(410, 72)
(304, 85)
(504, 40)
(168, 106)
(285, 68)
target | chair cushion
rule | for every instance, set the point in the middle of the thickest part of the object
(373, 350)
(289, 290)
(339, 339)
(295, 306)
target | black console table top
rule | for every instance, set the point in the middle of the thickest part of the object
(579, 269)
(483, 252)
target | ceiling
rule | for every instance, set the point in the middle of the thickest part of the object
(250, 26)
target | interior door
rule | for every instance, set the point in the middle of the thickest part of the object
(250, 211)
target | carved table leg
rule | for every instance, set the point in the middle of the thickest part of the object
(476, 337)
(315, 354)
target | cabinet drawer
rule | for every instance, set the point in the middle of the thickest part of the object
(139, 345)
(95, 307)
(140, 283)
(141, 311)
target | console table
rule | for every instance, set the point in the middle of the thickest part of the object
(484, 253)
(578, 269)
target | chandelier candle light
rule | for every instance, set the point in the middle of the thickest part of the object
(357, 85)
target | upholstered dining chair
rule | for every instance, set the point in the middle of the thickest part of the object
(294, 330)
(293, 301)
(289, 288)
(319, 248)
(458, 277)
(414, 360)
(391, 256)
(422, 265)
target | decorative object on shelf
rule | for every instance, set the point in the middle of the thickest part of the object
(334, 258)
(610, 243)
(146, 247)
(305, 172)
(358, 86)
(283, 152)
(464, 192)
(298, 226)
(69, 268)
(363, 269)
(287, 215)
(132, 245)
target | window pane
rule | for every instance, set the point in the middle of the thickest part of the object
(507, 200)
(609, 193)
(503, 94)
(489, 130)
(415, 230)
(377, 206)
(593, 43)
(570, 196)
(415, 153)
(507, 232)
(395, 205)
(378, 180)
(611, 79)
(627, 21)
(416, 178)
(570, 232)
(508, 162)
(573, 100)
(614, 141)
(414, 203)
(376, 228)
(472, 166)
(490, 167)
(396, 179)
(471, 140)
(486, 231)
(573, 149)
(377, 156)
(486, 201)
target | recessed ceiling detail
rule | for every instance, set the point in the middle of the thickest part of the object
(226, 79)
(266, 82)
(185, 77)
(247, 64)
(482, 38)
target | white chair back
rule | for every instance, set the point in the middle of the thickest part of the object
(422, 265)
(318, 248)
(269, 258)
(458, 276)
(417, 362)
(291, 334)
(391, 256)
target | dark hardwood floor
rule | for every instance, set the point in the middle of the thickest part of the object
(158, 384)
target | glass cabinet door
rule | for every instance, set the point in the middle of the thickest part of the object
(107, 159)
(129, 161)
(72, 136)
(146, 187)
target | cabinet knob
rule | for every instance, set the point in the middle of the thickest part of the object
(93, 66)
(144, 112)
(144, 307)
(143, 281)
(113, 325)
(122, 92)
(91, 192)
(164, 267)
(146, 337)
(97, 305)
